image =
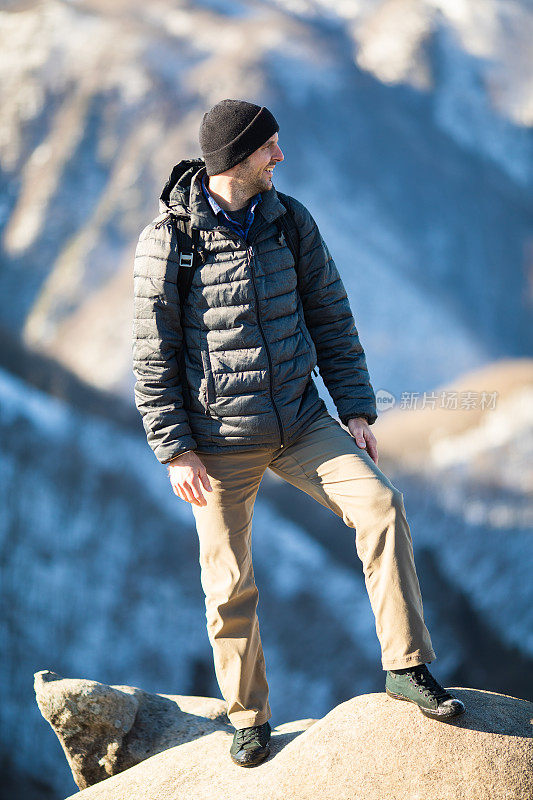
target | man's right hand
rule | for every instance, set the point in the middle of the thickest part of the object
(187, 475)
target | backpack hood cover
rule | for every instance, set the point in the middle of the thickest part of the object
(176, 194)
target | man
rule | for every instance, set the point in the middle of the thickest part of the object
(252, 329)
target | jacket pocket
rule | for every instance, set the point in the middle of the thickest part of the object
(309, 340)
(210, 395)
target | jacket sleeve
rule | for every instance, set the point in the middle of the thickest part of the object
(330, 322)
(157, 340)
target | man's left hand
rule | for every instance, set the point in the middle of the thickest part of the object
(360, 430)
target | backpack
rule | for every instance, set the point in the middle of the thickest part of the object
(190, 252)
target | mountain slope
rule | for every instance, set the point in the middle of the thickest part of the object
(418, 174)
(100, 578)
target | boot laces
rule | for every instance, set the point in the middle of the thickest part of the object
(432, 687)
(250, 736)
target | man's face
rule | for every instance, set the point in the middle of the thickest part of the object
(255, 172)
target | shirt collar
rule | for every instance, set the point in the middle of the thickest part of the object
(217, 209)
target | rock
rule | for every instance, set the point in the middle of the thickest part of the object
(369, 748)
(106, 729)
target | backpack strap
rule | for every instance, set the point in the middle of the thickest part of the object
(287, 227)
(189, 251)
(189, 255)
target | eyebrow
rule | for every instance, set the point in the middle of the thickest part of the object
(269, 141)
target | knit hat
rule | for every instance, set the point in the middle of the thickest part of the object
(231, 131)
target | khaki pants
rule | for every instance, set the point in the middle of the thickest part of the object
(325, 462)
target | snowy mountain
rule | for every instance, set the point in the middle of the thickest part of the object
(406, 130)
(100, 579)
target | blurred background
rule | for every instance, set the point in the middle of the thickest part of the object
(406, 127)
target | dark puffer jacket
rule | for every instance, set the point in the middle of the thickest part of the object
(253, 326)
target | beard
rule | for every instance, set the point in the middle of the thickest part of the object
(253, 181)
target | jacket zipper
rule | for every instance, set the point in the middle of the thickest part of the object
(249, 257)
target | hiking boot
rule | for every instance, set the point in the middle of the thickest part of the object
(250, 745)
(417, 685)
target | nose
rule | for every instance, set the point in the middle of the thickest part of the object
(278, 155)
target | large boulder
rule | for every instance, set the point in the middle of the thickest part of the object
(368, 748)
(107, 729)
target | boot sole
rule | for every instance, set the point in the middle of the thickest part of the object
(252, 763)
(427, 712)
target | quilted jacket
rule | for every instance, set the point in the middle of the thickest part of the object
(253, 328)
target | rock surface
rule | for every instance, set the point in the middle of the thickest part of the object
(107, 729)
(163, 747)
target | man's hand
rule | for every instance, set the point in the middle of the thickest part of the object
(360, 430)
(187, 474)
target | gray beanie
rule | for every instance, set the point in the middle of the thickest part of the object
(231, 131)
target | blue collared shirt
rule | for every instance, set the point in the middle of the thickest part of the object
(222, 215)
